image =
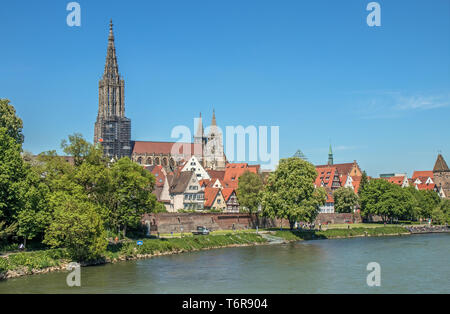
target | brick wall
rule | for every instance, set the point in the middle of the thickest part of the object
(173, 222)
(338, 218)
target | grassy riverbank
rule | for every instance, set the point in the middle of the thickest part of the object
(19, 264)
(295, 235)
(185, 244)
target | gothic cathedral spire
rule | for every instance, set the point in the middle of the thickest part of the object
(112, 129)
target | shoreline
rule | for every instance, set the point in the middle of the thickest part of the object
(292, 236)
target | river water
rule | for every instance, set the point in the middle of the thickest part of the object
(409, 264)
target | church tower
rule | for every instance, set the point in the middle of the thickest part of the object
(213, 153)
(330, 157)
(112, 128)
(199, 137)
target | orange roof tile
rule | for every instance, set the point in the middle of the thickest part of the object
(428, 174)
(210, 196)
(423, 186)
(227, 192)
(234, 171)
(325, 175)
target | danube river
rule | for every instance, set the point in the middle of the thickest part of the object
(409, 264)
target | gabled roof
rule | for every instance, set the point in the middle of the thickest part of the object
(422, 174)
(423, 186)
(341, 168)
(149, 147)
(204, 182)
(159, 174)
(210, 196)
(181, 182)
(227, 192)
(216, 174)
(440, 165)
(399, 180)
(326, 176)
(234, 171)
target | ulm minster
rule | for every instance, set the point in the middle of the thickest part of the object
(113, 128)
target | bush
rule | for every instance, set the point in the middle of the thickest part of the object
(33, 260)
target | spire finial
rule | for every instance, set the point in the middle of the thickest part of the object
(214, 118)
(330, 156)
(111, 33)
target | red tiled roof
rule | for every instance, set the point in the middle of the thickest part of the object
(216, 174)
(234, 171)
(343, 179)
(396, 180)
(227, 192)
(325, 175)
(204, 182)
(210, 196)
(428, 174)
(341, 168)
(158, 173)
(143, 147)
(423, 186)
(356, 181)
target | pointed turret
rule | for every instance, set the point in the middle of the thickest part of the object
(199, 134)
(111, 66)
(214, 118)
(330, 156)
(440, 165)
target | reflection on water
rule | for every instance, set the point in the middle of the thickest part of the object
(409, 264)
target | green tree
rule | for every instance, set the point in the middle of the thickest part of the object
(290, 192)
(441, 213)
(424, 202)
(10, 121)
(249, 191)
(363, 183)
(345, 200)
(13, 173)
(387, 200)
(77, 147)
(76, 226)
(130, 195)
(160, 208)
(35, 215)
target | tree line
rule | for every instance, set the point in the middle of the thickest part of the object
(290, 193)
(78, 205)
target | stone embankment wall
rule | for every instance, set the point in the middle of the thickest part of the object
(188, 222)
(428, 228)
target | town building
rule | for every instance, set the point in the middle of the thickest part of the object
(423, 180)
(230, 197)
(214, 199)
(329, 179)
(185, 192)
(193, 164)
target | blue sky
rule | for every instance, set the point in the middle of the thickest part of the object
(381, 95)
